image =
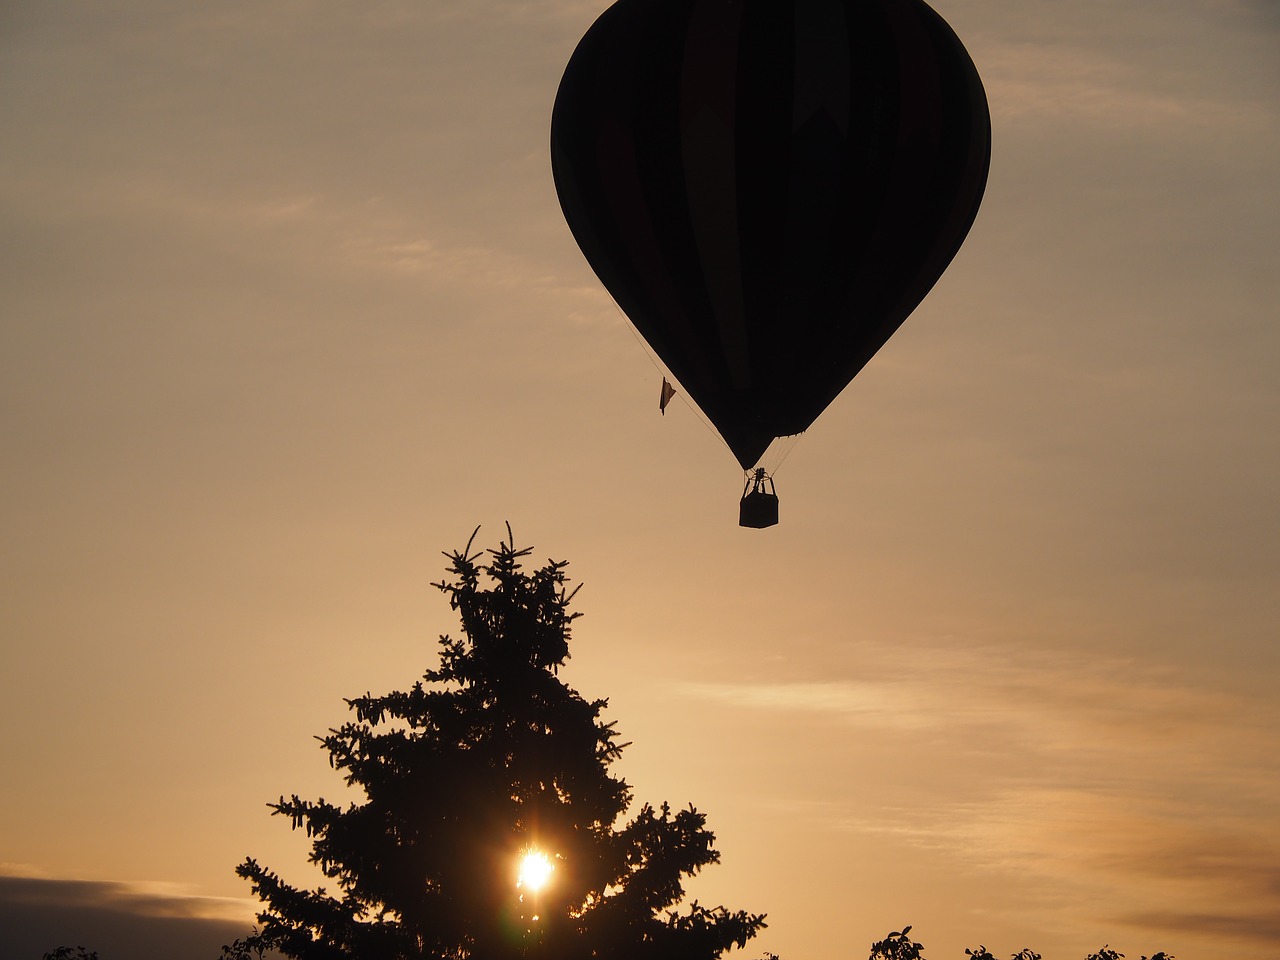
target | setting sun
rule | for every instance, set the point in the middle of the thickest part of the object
(535, 871)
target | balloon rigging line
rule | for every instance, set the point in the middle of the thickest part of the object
(790, 442)
(679, 393)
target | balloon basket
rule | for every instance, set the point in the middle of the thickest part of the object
(759, 506)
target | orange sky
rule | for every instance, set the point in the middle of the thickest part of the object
(287, 307)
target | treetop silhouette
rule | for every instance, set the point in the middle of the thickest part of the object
(490, 757)
(898, 945)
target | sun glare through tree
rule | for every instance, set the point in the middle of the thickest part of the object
(524, 757)
(535, 871)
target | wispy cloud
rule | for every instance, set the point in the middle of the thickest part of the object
(898, 706)
(1031, 83)
(1135, 787)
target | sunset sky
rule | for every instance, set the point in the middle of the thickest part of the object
(288, 307)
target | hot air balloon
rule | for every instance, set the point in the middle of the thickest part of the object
(768, 188)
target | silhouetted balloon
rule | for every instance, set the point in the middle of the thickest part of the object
(769, 187)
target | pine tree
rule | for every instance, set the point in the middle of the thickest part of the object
(493, 757)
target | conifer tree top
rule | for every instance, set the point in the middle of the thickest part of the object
(489, 757)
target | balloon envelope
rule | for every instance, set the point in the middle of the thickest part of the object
(769, 187)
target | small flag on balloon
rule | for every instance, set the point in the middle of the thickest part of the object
(668, 391)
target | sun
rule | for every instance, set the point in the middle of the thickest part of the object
(535, 871)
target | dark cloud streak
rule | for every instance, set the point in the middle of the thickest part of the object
(117, 920)
(1258, 927)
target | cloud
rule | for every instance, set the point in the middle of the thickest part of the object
(1134, 789)
(1029, 83)
(1054, 702)
(121, 921)
(1050, 65)
(869, 704)
(1139, 860)
(1260, 927)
